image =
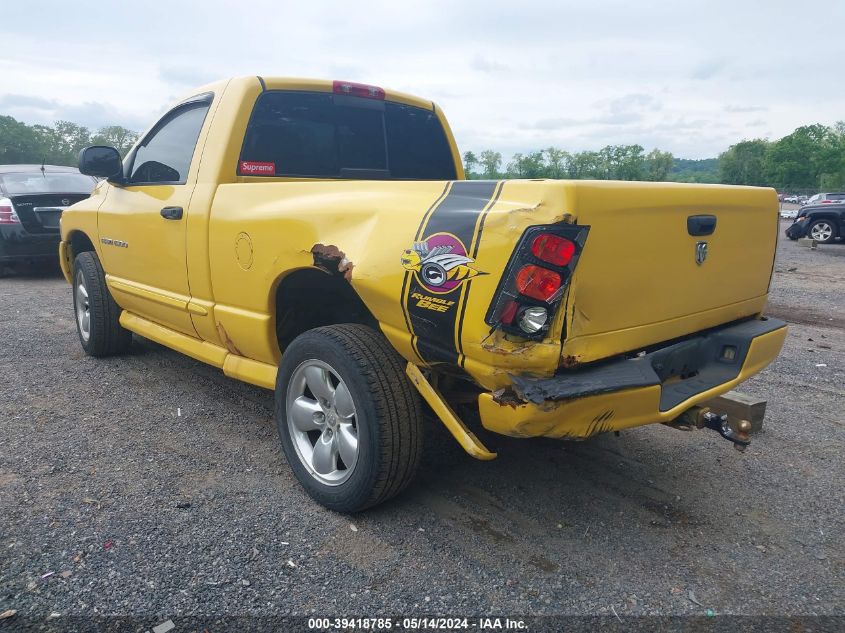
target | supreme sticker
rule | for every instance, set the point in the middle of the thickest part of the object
(256, 168)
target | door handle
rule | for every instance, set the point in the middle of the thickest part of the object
(171, 213)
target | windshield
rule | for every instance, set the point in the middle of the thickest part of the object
(323, 135)
(36, 182)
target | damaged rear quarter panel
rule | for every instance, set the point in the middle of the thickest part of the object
(492, 357)
(359, 229)
(355, 228)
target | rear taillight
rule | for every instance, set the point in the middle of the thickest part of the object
(534, 282)
(538, 283)
(7, 212)
(357, 90)
(553, 249)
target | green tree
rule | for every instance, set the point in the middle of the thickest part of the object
(623, 162)
(527, 166)
(65, 140)
(119, 137)
(491, 162)
(20, 143)
(557, 162)
(797, 160)
(701, 170)
(586, 165)
(745, 163)
(658, 165)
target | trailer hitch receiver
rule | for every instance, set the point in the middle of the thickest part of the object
(738, 434)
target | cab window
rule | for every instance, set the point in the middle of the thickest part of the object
(164, 156)
(323, 135)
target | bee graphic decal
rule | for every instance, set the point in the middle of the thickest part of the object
(440, 263)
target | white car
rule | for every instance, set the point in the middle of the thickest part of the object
(789, 214)
(824, 198)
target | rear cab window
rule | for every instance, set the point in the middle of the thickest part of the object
(325, 135)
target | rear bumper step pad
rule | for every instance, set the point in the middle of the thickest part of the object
(682, 370)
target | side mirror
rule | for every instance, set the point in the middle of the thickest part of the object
(101, 161)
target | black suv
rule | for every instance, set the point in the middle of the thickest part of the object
(32, 198)
(823, 223)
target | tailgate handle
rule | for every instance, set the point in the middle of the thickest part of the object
(701, 224)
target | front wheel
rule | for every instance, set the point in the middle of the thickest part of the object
(822, 231)
(348, 418)
(97, 314)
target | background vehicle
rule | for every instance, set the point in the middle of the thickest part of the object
(32, 198)
(318, 238)
(824, 198)
(823, 223)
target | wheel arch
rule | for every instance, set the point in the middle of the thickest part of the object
(80, 243)
(312, 297)
(77, 242)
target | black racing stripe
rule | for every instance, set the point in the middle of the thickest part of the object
(402, 297)
(499, 186)
(458, 215)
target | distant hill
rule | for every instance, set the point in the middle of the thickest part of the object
(690, 170)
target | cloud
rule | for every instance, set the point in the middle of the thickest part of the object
(91, 114)
(708, 69)
(186, 76)
(745, 108)
(510, 76)
(484, 65)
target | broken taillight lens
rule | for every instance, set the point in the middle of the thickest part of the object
(533, 283)
(553, 249)
(537, 283)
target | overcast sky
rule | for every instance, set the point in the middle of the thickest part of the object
(687, 77)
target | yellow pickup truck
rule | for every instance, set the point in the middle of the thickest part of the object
(319, 238)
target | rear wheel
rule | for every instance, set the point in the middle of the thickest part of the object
(348, 418)
(97, 314)
(822, 231)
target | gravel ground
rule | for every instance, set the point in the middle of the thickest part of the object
(151, 485)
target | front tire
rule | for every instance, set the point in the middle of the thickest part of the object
(822, 231)
(97, 314)
(349, 420)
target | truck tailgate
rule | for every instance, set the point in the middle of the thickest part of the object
(644, 278)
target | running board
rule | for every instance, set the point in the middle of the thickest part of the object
(466, 438)
(239, 367)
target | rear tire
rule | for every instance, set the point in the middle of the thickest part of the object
(342, 383)
(822, 231)
(97, 314)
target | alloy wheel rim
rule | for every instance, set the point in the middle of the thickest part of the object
(821, 231)
(322, 422)
(83, 308)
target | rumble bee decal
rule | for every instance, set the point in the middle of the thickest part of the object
(438, 266)
(440, 263)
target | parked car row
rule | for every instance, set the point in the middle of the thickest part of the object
(32, 198)
(819, 198)
(825, 198)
